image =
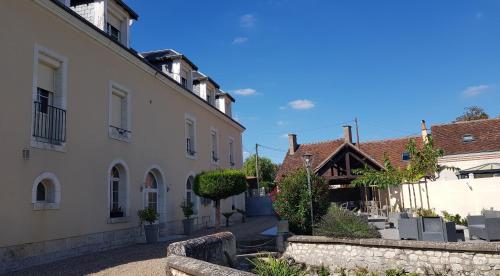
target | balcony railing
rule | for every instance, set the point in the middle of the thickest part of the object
(120, 132)
(49, 123)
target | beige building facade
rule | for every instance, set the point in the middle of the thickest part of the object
(92, 132)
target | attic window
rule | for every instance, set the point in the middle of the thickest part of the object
(468, 138)
(405, 156)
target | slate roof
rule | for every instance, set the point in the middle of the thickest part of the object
(486, 133)
(167, 54)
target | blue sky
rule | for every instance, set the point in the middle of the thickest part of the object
(309, 67)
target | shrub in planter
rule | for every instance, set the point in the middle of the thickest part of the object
(187, 210)
(151, 230)
(340, 223)
(219, 184)
(292, 201)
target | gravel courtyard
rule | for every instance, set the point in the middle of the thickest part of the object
(139, 259)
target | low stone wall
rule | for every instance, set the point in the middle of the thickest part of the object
(26, 255)
(219, 248)
(204, 256)
(379, 255)
(185, 266)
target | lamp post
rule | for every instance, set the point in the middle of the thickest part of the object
(307, 157)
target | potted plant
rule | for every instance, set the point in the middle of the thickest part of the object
(227, 215)
(151, 230)
(243, 214)
(116, 212)
(187, 209)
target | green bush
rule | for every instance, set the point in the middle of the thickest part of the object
(398, 272)
(275, 267)
(187, 208)
(340, 223)
(426, 212)
(293, 201)
(323, 271)
(457, 219)
(219, 184)
(148, 214)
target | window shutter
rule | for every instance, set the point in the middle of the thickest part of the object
(46, 77)
(116, 110)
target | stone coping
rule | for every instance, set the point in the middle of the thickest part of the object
(196, 267)
(483, 247)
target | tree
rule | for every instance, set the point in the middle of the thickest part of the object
(382, 179)
(219, 184)
(267, 170)
(472, 113)
(292, 201)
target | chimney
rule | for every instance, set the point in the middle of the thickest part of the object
(292, 139)
(347, 134)
(424, 132)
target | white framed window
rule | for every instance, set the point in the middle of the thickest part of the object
(191, 196)
(119, 113)
(118, 192)
(231, 152)
(48, 128)
(151, 191)
(214, 141)
(190, 129)
(46, 192)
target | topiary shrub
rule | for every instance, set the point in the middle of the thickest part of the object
(219, 184)
(292, 201)
(340, 223)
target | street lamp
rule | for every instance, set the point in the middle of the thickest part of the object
(307, 158)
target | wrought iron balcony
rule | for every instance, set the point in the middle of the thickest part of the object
(49, 123)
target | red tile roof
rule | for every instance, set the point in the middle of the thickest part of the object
(375, 149)
(486, 135)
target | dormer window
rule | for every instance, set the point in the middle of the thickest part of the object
(468, 138)
(184, 82)
(405, 156)
(114, 33)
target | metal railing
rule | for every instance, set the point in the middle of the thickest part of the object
(49, 123)
(120, 132)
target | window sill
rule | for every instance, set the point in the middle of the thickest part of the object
(47, 146)
(118, 220)
(121, 138)
(192, 157)
(40, 206)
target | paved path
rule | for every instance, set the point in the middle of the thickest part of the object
(139, 259)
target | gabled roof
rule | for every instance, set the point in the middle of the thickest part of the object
(129, 10)
(198, 77)
(166, 55)
(485, 133)
(351, 147)
(322, 151)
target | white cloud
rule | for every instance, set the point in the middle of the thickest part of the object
(472, 91)
(301, 104)
(247, 21)
(240, 40)
(245, 92)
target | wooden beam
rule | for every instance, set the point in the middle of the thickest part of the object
(348, 163)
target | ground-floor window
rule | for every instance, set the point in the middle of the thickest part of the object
(118, 191)
(190, 195)
(46, 192)
(151, 191)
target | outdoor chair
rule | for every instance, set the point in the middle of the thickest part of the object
(437, 230)
(486, 228)
(394, 218)
(409, 229)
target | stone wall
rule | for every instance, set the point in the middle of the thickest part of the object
(185, 266)
(26, 255)
(379, 255)
(219, 248)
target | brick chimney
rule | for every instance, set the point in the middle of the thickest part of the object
(347, 134)
(424, 132)
(292, 140)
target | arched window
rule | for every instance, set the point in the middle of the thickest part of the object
(46, 192)
(151, 191)
(118, 191)
(190, 195)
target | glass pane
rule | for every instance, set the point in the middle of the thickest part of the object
(151, 182)
(188, 184)
(40, 192)
(115, 173)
